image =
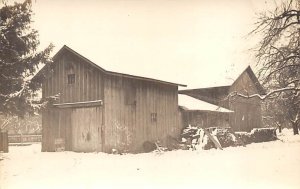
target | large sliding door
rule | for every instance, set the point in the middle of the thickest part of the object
(86, 129)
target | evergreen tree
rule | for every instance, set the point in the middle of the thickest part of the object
(19, 58)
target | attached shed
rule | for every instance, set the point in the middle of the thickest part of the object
(100, 110)
(247, 111)
(201, 114)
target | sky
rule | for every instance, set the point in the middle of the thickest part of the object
(198, 43)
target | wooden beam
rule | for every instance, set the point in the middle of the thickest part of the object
(216, 143)
(79, 104)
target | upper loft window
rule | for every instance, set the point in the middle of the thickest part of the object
(153, 117)
(71, 78)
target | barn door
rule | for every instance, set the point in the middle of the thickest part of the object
(86, 128)
(65, 127)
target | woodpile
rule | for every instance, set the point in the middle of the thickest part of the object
(194, 138)
(258, 135)
(213, 137)
(198, 138)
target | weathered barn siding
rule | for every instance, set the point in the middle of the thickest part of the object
(49, 130)
(124, 120)
(247, 110)
(86, 129)
(59, 122)
(205, 119)
(88, 81)
(128, 107)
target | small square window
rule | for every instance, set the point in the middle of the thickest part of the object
(71, 78)
(153, 117)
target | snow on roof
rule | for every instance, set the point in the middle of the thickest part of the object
(194, 104)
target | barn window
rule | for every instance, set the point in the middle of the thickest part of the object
(71, 78)
(153, 117)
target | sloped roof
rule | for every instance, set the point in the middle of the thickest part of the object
(253, 77)
(66, 48)
(225, 78)
(211, 95)
(193, 104)
(215, 94)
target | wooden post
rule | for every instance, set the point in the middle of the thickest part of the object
(279, 128)
(4, 142)
(20, 132)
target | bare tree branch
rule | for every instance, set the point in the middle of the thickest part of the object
(263, 97)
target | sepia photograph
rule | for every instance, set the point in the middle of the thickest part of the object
(149, 94)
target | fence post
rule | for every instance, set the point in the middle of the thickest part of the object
(4, 141)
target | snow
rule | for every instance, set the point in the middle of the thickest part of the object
(260, 165)
(194, 104)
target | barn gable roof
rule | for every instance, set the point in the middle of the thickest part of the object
(254, 79)
(215, 94)
(65, 48)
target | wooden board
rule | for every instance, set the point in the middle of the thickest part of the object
(217, 144)
(86, 126)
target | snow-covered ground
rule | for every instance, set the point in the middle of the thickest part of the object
(263, 165)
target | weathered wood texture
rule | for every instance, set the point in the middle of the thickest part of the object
(134, 110)
(86, 129)
(59, 122)
(205, 119)
(88, 81)
(128, 107)
(247, 111)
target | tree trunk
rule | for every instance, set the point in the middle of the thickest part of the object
(295, 128)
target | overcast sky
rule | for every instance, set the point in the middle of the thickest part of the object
(198, 43)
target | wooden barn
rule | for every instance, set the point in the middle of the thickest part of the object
(100, 110)
(246, 111)
(202, 114)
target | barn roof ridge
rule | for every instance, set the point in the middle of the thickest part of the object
(251, 74)
(65, 47)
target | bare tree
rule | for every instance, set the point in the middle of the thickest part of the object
(278, 57)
